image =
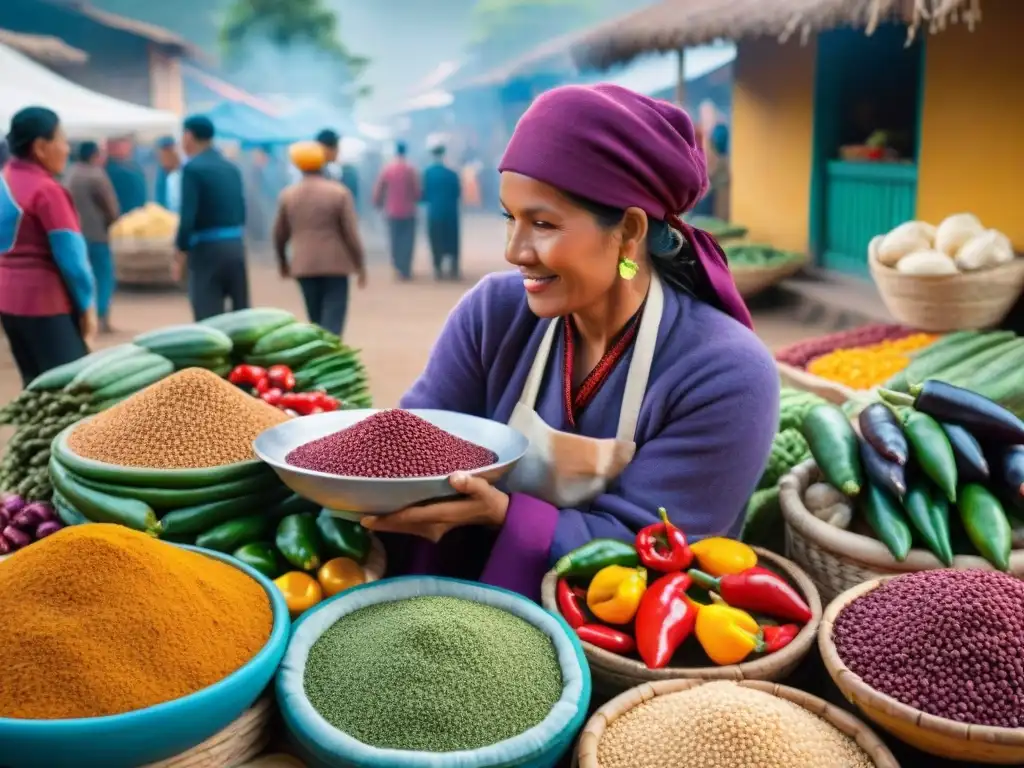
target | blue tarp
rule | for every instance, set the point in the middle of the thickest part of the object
(247, 125)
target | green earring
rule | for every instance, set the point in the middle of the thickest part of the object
(627, 268)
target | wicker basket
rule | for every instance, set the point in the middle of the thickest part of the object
(586, 749)
(798, 378)
(240, 742)
(940, 303)
(143, 262)
(928, 733)
(613, 674)
(836, 559)
(753, 280)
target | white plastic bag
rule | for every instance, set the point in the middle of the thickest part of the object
(956, 230)
(989, 249)
(927, 263)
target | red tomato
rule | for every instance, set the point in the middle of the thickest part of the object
(328, 403)
(263, 386)
(272, 396)
(246, 375)
(281, 376)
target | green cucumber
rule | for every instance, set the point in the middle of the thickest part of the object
(102, 507)
(177, 498)
(942, 344)
(343, 538)
(932, 450)
(203, 517)
(293, 357)
(833, 444)
(66, 512)
(960, 373)
(247, 326)
(997, 369)
(287, 337)
(129, 385)
(189, 340)
(209, 363)
(885, 518)
(298, 540)
(337, 380)
(261, 556)
(986, 524)
(157, 478)
(930, 366)
(344, 358)
(229, 536)
(293, 505)
(104, 373)
(62, 375)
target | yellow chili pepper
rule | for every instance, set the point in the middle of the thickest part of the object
(614, 593)
(301, 591)
(866, 367)
(720, 557)
(727, 635)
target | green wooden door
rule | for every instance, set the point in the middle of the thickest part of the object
(863, 200)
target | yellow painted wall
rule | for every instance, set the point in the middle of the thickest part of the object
(771, 141)
(972, 134)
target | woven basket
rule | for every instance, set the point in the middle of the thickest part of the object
(940, 303)
(613, 673)
(240, 742)
(798, 378)
(928, 733)
(836, 559)
(590, 738)
(753, 280)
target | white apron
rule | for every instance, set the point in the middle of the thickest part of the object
(565, 469)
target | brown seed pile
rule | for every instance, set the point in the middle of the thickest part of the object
(190, 420)
(392, 443)
(724, 725)
(950, 643)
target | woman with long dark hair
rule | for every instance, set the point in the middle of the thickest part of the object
(47, 289)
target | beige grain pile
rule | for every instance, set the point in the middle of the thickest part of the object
(724, 725)
(190, 420)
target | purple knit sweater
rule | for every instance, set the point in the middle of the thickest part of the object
(703, 437)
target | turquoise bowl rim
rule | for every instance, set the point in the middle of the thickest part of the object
(276, 644)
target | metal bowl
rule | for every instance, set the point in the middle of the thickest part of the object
(378, 495)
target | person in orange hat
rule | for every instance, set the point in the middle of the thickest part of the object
(316, 238)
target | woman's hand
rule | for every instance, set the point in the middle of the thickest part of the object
(89, 325)
(361, 278)
(485, 505)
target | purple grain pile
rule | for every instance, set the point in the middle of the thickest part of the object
(392, 443)
(950, 643)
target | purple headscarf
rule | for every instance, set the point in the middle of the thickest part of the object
(618, 148)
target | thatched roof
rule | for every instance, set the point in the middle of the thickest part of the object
(675, 24)
(43, 48)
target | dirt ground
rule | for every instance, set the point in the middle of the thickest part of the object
(394, 324)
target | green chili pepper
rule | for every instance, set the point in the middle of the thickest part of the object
(886, 519)
(343, 538)
(932, 451)
(595, 555)
(299, 541)
(924, 512)
(263, 556)
(985, 522)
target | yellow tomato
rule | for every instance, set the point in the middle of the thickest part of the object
(301, 591)
(340, 574)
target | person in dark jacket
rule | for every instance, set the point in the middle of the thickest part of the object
(97, 209)
(441, 193)
(210, 241)
(126, 175)
(331, 142)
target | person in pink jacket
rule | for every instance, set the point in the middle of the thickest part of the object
(397, 193)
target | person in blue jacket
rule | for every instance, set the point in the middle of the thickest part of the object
(441, 194)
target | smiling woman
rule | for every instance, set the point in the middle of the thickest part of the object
(620, 348)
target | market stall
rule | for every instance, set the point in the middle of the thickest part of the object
(201, 482)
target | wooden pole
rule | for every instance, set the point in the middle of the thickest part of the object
(681, 77)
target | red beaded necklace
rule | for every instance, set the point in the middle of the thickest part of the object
(575, 403)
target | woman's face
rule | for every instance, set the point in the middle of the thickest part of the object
(53, 153)
(568, 261)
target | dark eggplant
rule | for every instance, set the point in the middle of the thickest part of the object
(1011, 471)
(986, 420)
(971, 465)
(884, 473)
(882, 429)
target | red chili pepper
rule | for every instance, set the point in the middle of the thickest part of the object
(272, 396)
(301, 402)
(665, 619)
(757, 590)
(606, 638)
(281, 376)
(569, 606)
(776, 638)
(328, 403)
(246, 375)
(662, 546)
(263, 385)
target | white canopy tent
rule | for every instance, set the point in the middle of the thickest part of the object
(84, 114)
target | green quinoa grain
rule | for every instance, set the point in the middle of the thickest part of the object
(724, 725)
(432, 674)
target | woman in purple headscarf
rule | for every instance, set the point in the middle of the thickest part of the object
(619, 346)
